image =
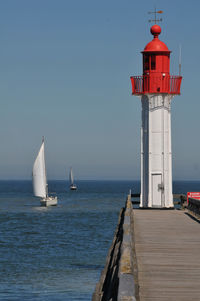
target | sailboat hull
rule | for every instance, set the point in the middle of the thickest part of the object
(50, 201)
(73, 187)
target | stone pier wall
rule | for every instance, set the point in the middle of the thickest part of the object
(118, 281)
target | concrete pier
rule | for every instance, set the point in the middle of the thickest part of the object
(155, 255)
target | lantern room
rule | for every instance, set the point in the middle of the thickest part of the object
(156, 55)
(156, 69)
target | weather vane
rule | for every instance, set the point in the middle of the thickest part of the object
(155, 17)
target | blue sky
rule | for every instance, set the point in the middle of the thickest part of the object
(64, 73)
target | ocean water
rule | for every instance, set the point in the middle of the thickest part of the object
(58, 253)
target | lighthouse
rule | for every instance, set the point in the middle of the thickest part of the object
(156, 89)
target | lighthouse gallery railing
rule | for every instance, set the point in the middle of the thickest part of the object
(156, 84)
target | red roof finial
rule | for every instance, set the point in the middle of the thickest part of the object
(155, 30)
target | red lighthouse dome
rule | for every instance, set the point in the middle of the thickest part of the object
(156, 44)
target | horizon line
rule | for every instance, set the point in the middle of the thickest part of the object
(94, 180)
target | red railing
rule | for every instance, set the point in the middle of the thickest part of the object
(156, 84)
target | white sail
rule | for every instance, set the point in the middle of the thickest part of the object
(39, 174)
(71, 178)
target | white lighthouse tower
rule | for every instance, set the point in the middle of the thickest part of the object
(156, 87)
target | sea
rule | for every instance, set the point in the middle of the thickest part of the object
(58, 253)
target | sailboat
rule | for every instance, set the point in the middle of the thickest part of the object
(71, 180)
(40, 186)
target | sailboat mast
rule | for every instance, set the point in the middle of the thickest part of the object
(47, 191)
(45, 173)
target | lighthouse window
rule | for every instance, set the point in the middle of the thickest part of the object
(153, 62)
(146, 62)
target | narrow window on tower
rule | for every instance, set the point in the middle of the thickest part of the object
(146, 62)
(153, 62)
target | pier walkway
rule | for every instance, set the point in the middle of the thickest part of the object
(167, 246)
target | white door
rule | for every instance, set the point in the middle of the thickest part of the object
(156, 190)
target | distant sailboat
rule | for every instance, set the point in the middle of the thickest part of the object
(71, 180)
(40, 186)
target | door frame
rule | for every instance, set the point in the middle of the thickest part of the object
(161, 189)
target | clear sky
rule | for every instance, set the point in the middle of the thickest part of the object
(64, 73)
